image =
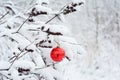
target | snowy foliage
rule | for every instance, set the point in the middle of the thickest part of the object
(30, 29)
(27, 38)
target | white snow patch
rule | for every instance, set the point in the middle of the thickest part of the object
(4, 65)
(24, 64)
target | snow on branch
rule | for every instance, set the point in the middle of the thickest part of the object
(4, 15)
(40, 10)
(71, 8)
(31, 52)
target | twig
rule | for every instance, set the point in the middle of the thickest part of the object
(22, 55)
(33, 30)
(64, 6)
(46, 66)
(53, 18)
(5, 76)
(58, 44)
(17, 57)
(4, 69)
(4, 15)
(67, 58)
(24, 37)
(22, 24)
(58, 13)
(12, 58)
(30, 41)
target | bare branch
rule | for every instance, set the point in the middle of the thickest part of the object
(4, 15)
(22, 24)
(5, 76)
(17, 57)
(53, 18)
(46, 66)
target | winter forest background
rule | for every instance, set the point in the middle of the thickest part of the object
(89, 34)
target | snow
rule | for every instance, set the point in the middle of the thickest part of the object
(88, 56)
(76, 1)
(4, 64)
(42, 8)
(105, 58)
(24, 64)
(58, 28)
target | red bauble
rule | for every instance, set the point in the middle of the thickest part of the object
(57, 54)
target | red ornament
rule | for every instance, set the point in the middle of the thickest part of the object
(57, 54)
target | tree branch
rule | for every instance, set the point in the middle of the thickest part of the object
(46, 66)
(53, 18)
(4, 15)
(22, 24)
(5, 76)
